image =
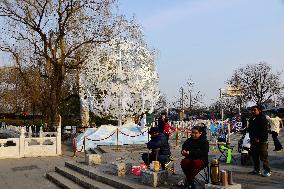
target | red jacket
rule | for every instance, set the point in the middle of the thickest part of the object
(168, 129)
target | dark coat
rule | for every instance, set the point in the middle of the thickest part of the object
(258, 128)
(161, 125)
(160, 142)
(198, 149)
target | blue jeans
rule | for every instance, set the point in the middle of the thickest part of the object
(277, 143)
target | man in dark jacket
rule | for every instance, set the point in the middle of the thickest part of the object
(159, 146)
(258, 133)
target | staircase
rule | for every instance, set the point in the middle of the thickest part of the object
(76, 175)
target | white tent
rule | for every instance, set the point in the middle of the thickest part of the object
(129, 133)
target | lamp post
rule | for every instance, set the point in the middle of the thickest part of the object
(167, 111)
(182, 103)
(119, 80)
(190, 83)
(275, 103)
(222, 116)
(222, 109)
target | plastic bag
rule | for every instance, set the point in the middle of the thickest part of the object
(136, 170)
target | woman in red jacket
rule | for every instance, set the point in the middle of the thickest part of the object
(168, 129)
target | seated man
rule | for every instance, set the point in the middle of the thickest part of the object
(195, 150)
(159, 146)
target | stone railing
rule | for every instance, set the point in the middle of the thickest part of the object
(9, 148)
(31, 146)
(48, 134)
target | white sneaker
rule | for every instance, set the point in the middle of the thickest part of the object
(266, 173)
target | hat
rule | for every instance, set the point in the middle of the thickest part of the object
(153, 130)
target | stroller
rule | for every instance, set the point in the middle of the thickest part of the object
(244, 148)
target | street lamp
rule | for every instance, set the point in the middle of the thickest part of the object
(182, 103)
(190, 84)
(222, 114)
(119, 81)
(222, 108)
(167, 111)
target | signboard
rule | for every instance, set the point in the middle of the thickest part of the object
(230, 91)
(234, 91)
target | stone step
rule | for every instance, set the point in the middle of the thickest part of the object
(111, 180)
(62, 181)
(93, 151)
(81, 179)
(99, 150)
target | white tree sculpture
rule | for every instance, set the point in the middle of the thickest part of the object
(121, 79)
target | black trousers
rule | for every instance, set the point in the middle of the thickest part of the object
(167, 136)
(259, 152)
(277, 143)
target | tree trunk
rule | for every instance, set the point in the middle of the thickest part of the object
(54, 98)
(84, 105)
(85, 117)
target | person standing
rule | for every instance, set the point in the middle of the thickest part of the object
(258, 133)
(143, 122)
(244, 120)
(161, 123)
(168, 129)
(275, 123)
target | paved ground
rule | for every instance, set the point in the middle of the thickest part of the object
(29, 173)
(276, 160)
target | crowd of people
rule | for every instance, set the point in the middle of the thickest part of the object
(196, 148)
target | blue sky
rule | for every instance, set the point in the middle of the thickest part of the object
(208, 39)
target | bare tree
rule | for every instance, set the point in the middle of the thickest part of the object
(21, 91)
(228, 104)
(188, 100)
(55, 36)
(8, 90)
(191, 98)
(256, 82)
